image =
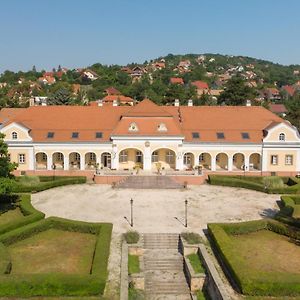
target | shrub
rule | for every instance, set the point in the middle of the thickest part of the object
(269, 185)
(249, 281)
(273, 182)
(31, 215)
(47, 184)
(192, 237)
(131, 237)
(59, 284)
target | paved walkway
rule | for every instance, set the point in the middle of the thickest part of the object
(155, 210)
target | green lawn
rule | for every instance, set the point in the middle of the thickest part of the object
(196, 263)
(133, 264)
(53, 251)
(11, 216)
(266, 251)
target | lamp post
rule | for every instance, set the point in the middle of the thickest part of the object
(186, 221)
(131, 212)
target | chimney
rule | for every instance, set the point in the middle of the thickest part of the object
(100, 102)
(31, 101)
(176, 103)
(115, 103)
(248, 102)
(190, 102)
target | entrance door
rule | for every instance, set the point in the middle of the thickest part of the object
(106, 160)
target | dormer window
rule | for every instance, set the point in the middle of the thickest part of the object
(50, 135)
(282, 137)
(75, 135)
(133, 127)
(195, 135)
(220, 135)
(98, 135)
(14, 135)
(162, 127)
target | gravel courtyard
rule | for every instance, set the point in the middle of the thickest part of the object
(155, 210)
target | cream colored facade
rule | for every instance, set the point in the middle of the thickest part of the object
(278, 152)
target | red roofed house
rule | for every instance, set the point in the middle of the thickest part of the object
(176, 80)
(272, 94)
(112, 91)
(201, 86)
(289, 90)
(278, 109)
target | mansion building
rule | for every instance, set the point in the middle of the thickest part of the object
(175, 138)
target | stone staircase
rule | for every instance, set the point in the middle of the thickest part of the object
(149, 182)
(163, 265)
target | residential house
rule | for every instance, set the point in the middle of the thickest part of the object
(272, 94)
(278, 109)
(89, 75)
(201, 86)
(176, 80)
(288, 90)
(112, 91)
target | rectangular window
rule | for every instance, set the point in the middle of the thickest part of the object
(50, 135)
(274, 159)
(289, 159)
(98, 135)
(8, 157)
(22, 159)
(155, 156)
(75, 135)
(77, 156)
(123, 156)
(92, 156)
(60, 156)
(170, 157)
(220, 135)
(195, 135)
(44, 157)
(245, 136)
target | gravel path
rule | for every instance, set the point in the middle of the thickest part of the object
(155, 210)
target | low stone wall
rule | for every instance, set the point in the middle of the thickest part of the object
(88, 174)
(213, 283)
(195, 281)
(189, 179)
(108, 179)
(124, 272)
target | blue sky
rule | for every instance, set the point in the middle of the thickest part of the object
(77, 33)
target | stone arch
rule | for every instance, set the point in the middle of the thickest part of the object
(90, 160)
(205, 160)
(222, 161)
(255, 162)
(41, 160)
(188, 160)
(74, 160)
(238, 161)
(163, 158)
(58, 160)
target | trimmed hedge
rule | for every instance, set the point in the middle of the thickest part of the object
(255, 183)
(56, 284)
(31, 215)
(47, 183)
(251, 282)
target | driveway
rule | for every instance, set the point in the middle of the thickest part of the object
(155, 210)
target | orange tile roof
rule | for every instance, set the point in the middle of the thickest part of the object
(110, 120)
(200, 85)
(176, 80)
(120, 98)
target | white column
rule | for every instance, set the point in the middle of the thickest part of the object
(66, 162)
(298, 161)
(114, 158)
(179, 161)
(49, 162)
(246, 162)
(31, 159)
(147, 159)
(230, 163)
(82, 162)
(213, 163)
(98, 160)
(264, 161)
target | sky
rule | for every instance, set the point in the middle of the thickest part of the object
(78, 33)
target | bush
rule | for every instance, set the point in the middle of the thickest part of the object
(251, 282)
(59, 284)
(131, 237)
(270, 184)
(191, 237)
(31, 215)
(47, 184)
